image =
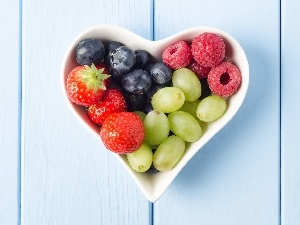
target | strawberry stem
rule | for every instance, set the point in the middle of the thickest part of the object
(94, 77)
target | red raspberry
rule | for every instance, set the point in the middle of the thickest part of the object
(177, 55)
(208, 49)
(224, 80)
(200, 71)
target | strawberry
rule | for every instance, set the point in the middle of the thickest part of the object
(112, 101)
(87, 84)
(122, 132)
(105, 68)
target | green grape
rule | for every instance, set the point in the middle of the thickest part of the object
(156, 126)
(168, 99)
(211, 108)
(188, 82)
(141, 159)
(185, 126)
(141, 114)
(190, 107)
(168, 153)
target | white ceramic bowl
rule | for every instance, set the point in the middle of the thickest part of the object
(154, 185)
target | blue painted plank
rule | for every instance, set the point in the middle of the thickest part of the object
(9, 112)
(234, 179)
(290, 106)
(67, 175)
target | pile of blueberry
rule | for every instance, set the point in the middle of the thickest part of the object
(135, 72)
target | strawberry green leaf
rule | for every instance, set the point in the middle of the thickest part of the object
(94, 77)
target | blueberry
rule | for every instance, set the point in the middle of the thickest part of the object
(122, 60)
(160, 72)
(152, 169)
(90, 51)
(116, 76)
(148, 108)
(109, 48)
(135, 102)
(137, 81)
(205, 92)
(142, 59)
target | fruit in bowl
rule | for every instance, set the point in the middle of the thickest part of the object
(169, 96)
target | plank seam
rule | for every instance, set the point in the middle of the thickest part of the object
(19, 169)
(280, 109)
(152, 25)
(152, 35)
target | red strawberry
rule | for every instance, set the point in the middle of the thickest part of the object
(87, 84)
(112, 101)
(122, 132)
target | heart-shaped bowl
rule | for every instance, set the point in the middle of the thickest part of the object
(153, 185)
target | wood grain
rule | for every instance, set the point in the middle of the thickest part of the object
(290, 67)
(52, 171)
(9, 112)
(234, 179)
(67, 175)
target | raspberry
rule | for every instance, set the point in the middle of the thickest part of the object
(208, 49)
(224, 80)
(200, 71)
(177, 55)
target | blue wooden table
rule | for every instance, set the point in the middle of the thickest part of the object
(52, 171)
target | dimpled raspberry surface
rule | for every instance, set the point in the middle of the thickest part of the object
(224, 80)
(208, 49)
(177, 55)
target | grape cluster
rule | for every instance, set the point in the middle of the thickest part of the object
(176, 119)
